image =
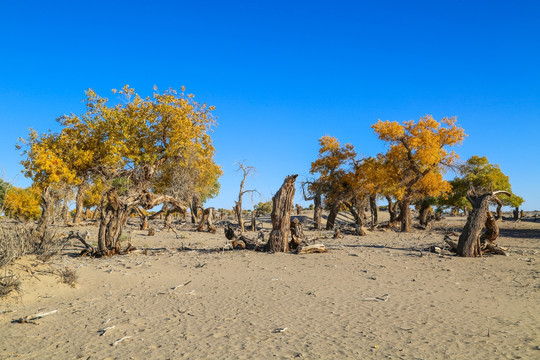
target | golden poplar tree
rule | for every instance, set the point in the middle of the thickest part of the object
(418, 158)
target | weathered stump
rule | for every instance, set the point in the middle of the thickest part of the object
(282, 204)
(297, 234)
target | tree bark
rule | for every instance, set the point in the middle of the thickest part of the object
(405, 210)
(358, 219)
(392, 209)
(79, 202)
(253, 221)
(282, 204)
(238, 212)
(65, 212)
(374, 210)
(425, 213)
(47, 210)
(317, 213)
(194, 207)
(297, 234)
(516, 213)
(469, 244)
(334, 210)
(207, 218)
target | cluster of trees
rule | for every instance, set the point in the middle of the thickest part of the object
(118, 158)
(411, 172)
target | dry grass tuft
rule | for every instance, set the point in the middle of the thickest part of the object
(9, 283)
(69, 276)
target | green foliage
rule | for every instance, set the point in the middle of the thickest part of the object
(264, 207)
(484, 177)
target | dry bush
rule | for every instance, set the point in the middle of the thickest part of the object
(69, 277)
(18, 239)
(9, 283)
(15, 241)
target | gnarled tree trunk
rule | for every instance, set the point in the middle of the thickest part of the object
(334, 210)
(470, 240)
(374, 210)
(317, 213)
(207, 218)
(79, 202)
(282, 204)
(425, 213)
(392, 210)
(405, 210)
(47, 210)
(297, 234)
(238, 212)
(358, 219)
(194, 208)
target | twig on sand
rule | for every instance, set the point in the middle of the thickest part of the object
(103, 331)
(280, 330)
(383, 298)
(177, 286)
(29, 319)
(117, 341)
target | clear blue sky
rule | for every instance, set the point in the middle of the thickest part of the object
(284, 73)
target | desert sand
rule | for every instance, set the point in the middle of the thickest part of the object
(187, 297)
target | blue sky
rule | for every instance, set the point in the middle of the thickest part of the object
(282, 74)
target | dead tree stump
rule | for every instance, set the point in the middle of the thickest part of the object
(242, 242)
(297, 234)
(471, 242)
(282, 204)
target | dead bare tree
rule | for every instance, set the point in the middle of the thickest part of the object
(282, 205)
(472, 242)
(246, 171)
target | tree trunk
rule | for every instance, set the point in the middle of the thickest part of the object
(114, 216)
(317, 214)
(358, 219)
(298, 209)
(79, 202)
(334, 210)
(238, 212)
(516, 213)
(65, 212)
(297, 234)
(469, 244)
(253, 221)
(425, 213)
(374, 210)
(194, 207)
(499, 211)
(207, 218)
(282, 204)
(405, 215)
(47, 210)
(392, 209)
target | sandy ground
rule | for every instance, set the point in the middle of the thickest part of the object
(378, 296)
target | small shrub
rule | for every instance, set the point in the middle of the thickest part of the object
(69, 277)
(9, 283)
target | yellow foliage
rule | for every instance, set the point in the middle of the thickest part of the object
(417, 156)
(23, 204)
